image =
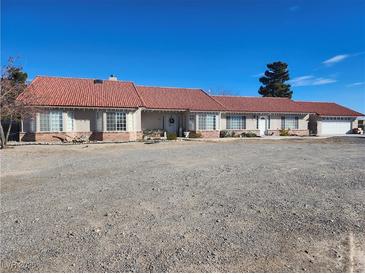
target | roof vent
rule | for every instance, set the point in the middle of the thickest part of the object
(98, 81)
(113, 78)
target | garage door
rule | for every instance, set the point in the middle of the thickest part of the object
(335, 127)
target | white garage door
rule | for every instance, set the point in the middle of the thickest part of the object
(335, 126)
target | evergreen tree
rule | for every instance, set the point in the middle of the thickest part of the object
(274, 81)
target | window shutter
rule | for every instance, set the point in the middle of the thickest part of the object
(244, 122)
(269, 122)
(257, 122)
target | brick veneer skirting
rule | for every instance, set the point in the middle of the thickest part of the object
(51, 137)
(209, 134)
(119, 136)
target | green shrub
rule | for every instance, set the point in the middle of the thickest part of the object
(284, 132)
(249, 134)
(171, 136)
(193, 134)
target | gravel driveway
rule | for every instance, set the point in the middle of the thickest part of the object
(292, 205)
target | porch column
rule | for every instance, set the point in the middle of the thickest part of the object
(104, 121)
(218, 122)
(21, 125)
(137, 121)
(196, 122)
(37, 122)
(64, 122)
(129, 121)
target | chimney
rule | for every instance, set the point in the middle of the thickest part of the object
(98, 81)
(113, 78)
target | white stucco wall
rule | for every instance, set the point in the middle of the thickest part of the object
(83, 120)
(137, 120)
(152, 120)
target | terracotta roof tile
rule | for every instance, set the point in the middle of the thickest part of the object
(178, 98)
(260, 104)
(76, 92)
(330, 109)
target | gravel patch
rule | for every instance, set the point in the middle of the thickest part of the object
(246, 205)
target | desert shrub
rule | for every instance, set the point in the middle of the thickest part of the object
(193, 134)
(227, 133)
(224, 134)
(284, 132)
(171, 136)
(249, 134)
(152, 133)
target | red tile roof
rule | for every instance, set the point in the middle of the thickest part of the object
(76, 92)
(260, 104)
(328, 109)
(178, 98)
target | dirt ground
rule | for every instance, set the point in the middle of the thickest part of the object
(246, 205)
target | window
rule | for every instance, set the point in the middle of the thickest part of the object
(236, 122)
(206, 122)
(116, 121)
(99, 121)
(70, 121)
(289, 122)
(192, 121)
(44, 122)
(51, 121)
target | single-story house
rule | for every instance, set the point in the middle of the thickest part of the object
(112, 110)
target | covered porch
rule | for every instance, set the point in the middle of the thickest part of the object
(170, 121)
(205, 124)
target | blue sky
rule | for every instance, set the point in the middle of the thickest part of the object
(220, 46)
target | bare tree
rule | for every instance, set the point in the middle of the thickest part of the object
(13, 84)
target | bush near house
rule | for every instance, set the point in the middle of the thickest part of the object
(152, 133)
(284, 132)
(171, 136)
(249, 134)
(195, 134)
(227, 133)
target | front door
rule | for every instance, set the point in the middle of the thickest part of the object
(171, 123)
(262, 126)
